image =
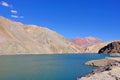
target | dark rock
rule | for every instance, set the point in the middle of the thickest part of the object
(113, 47)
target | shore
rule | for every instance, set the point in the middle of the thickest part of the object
(109, 69)
(102, 62)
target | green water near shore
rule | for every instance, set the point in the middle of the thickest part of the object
(46, 67)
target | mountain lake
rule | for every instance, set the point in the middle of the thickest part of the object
(46, 66)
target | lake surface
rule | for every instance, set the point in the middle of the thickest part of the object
(46, 67)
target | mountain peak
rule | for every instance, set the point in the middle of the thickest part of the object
(86, 41)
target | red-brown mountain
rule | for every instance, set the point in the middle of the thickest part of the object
(87, 41)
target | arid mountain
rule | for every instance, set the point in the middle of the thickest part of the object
(17, 38)
(95, 48)
(87, 41)
(113, 47)
(90, 44)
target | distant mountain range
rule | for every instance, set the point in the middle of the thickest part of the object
(18, 38)
(87, 41)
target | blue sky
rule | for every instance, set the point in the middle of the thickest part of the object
(71, 18)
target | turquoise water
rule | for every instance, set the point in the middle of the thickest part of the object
(46, 67)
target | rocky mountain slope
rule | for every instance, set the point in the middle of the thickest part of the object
(90, 44)
(113, 47)
(95, 48)
(87, 41)
(17, 38)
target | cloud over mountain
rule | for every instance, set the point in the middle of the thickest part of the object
(14, 12)
(5, 4)
(15, 16)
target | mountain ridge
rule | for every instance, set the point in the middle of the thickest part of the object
(17, 38)
(87, 41)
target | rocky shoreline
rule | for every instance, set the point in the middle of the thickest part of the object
(101, 62)
(115, 54)
(108, 70)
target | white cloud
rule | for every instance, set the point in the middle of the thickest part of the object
(15, 16)
(5, 4)
(14, 11)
